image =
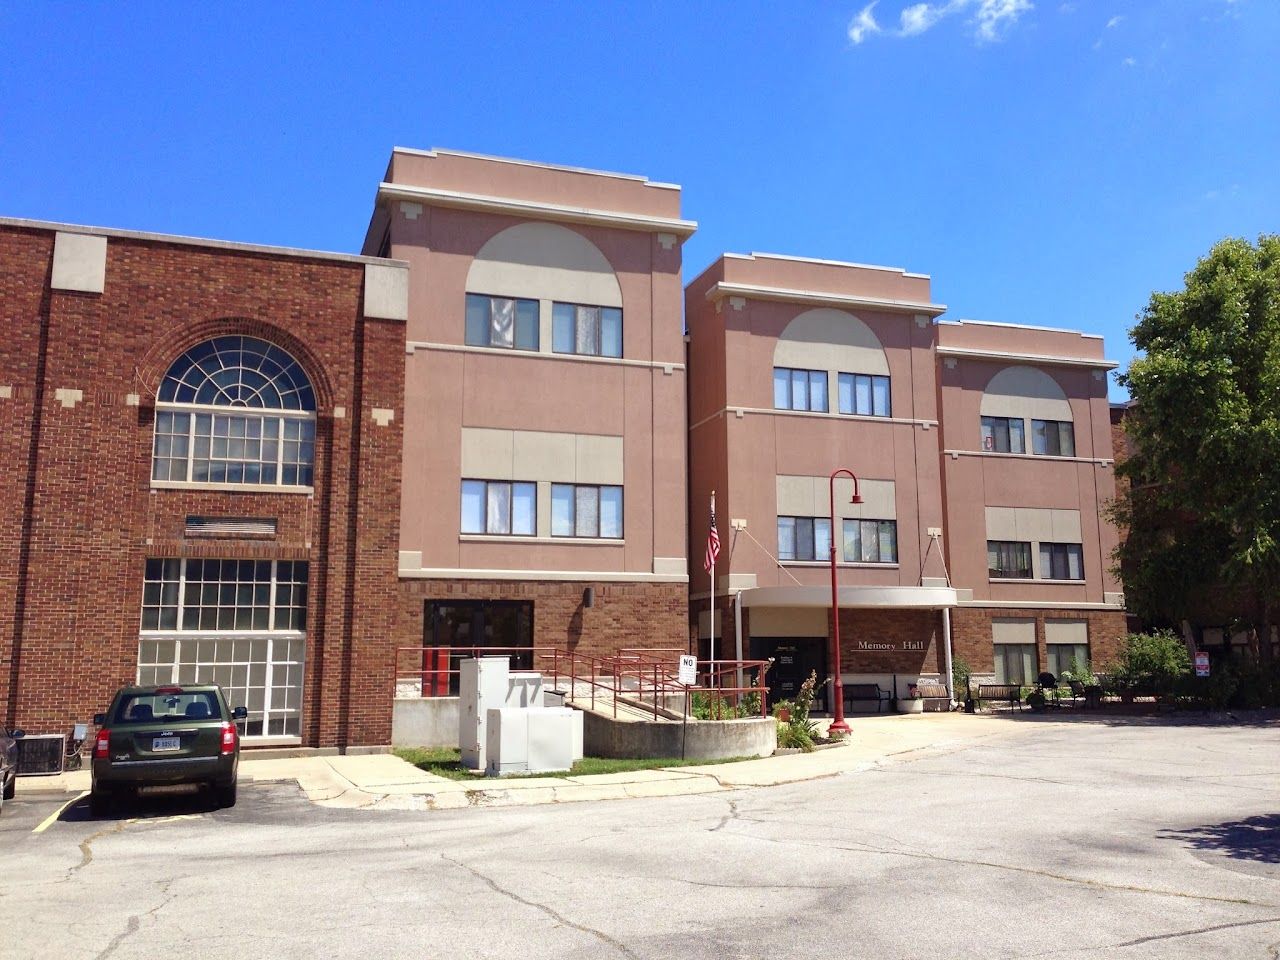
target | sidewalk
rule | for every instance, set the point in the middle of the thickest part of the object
(385, 782)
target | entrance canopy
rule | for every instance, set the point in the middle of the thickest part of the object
(921, 598)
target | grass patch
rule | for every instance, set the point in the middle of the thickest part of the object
(447, 762)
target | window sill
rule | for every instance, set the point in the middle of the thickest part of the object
(1080, 582)
(515, 538)
(840, 565)
(1042, 457)
(230, 487)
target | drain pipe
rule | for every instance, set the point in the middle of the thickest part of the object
(737, 634)
(946, 652)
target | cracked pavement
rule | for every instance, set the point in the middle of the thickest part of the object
(1068, 840)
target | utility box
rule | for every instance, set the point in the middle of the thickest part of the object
(531, 740)
(525, 689)
(482, 685)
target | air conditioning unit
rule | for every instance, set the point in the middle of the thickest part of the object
(41, 755)
(482, 685)
(532, 740)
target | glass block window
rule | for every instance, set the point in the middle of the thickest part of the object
(237, 623)
(269, 440)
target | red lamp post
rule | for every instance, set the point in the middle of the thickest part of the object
(838, 726)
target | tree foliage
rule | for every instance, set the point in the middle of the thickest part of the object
(1202, 507)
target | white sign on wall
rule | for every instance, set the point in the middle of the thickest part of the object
(688, 674)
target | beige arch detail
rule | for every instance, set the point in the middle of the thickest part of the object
(831, 340)
(544, 261)
(1027, 393)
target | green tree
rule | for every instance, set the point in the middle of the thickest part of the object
(1202, 507)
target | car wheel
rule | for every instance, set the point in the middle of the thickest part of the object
(11, 787)
(100, 803)
(225, 795)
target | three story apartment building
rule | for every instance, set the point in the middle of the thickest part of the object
(969, 442)
(544, 485)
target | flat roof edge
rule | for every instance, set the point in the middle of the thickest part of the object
(180, 239)
(565, 168)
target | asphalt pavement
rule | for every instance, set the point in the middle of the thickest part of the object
(1134, 838)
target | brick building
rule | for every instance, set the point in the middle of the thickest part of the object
(544, 465)
(983, 456)
(200, 452)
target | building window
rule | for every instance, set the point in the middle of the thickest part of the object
(804, 538)
(499, 507)
(237, 623)
(1060, 655)
(1061, 561)
(864, 395)
(502, 322)
(591, 331)
(235, 410)
(1003, 435)
(1008, 560)
(871, 541)
(800, 389)
(1015, 663)
(1053, 438)
(586, 510)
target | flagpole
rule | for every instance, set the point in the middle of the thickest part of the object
(712, 666)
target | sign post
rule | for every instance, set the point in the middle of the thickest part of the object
(1202, 664)
(687, 676)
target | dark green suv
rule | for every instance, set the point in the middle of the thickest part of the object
(164, 736)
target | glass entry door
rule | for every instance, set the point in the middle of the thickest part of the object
(793, 659)
(479, 623)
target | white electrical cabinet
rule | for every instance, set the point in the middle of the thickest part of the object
(531, 740)
(525, 689)
(482, 685)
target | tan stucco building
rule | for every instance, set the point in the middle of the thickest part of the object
(971, 442)
(544, 487)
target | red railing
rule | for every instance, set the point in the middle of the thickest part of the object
(646, 678)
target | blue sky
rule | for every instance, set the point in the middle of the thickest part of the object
(1046, 162)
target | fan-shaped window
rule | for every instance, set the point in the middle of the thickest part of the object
(235, 410)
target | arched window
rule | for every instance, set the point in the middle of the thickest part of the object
(235, 410)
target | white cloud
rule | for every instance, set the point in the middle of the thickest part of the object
(863, 24)
(990, 20)
(995, 17)
(920, 17)
(1113, 22)
(1129, 62)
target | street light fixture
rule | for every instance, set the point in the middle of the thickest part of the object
(838, 726)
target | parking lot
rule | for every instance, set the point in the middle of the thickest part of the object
(1126, 838)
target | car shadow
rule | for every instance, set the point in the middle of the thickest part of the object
(144, 807)
(1253, 838)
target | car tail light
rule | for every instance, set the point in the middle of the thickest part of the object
(102, 745)
(228, 737)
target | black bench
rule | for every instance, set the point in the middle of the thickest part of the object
(1010, 693)
(864, 691)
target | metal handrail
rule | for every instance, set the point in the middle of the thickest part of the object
(633, 672)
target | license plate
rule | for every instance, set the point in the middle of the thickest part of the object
(160, 744)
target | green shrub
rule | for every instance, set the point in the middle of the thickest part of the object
(1080, 670)
(1156, 659)
(961, 672)
(792, 735)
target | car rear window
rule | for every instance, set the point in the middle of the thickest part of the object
(165, 707)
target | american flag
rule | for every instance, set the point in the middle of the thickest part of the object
(713, 539)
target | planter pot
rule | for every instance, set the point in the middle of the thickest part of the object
(911, 706)
(784, 715)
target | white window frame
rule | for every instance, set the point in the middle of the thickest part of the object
(194, 411)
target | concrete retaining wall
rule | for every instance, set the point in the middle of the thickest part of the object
(708, 739)
(425, 722)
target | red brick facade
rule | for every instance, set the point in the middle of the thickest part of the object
(79, 516)
(622, 615)
(971, 636)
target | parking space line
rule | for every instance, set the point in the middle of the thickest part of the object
(52, 818)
